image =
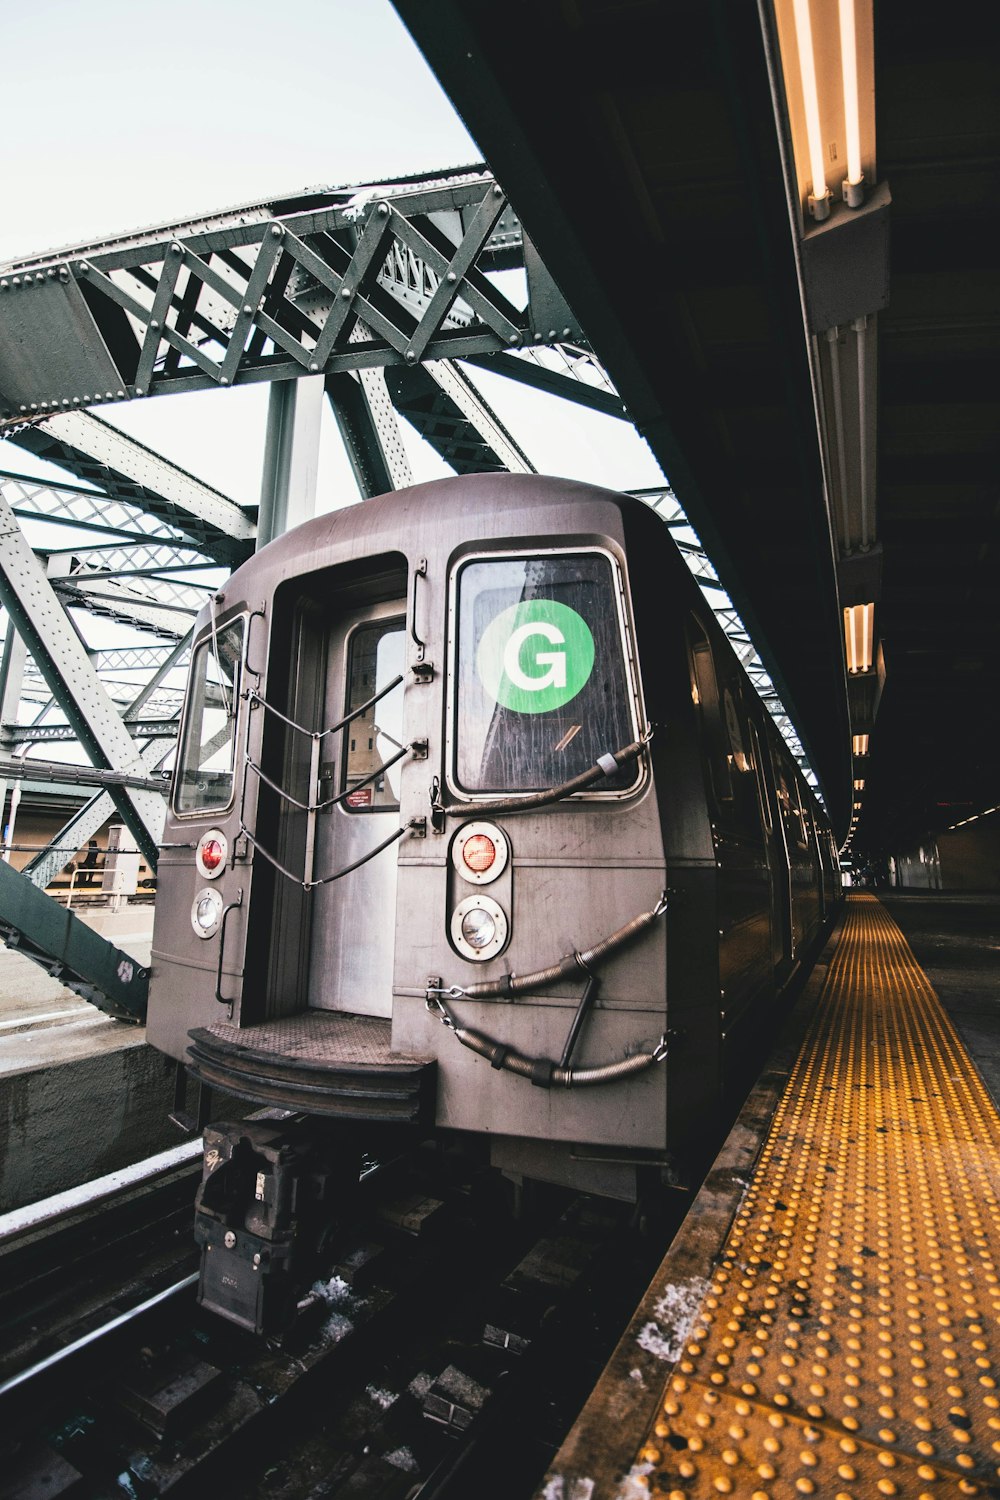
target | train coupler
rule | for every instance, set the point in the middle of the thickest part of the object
(270, 1197)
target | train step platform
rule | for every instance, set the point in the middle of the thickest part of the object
(827, 1321)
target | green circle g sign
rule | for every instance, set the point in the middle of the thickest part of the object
(535, 656)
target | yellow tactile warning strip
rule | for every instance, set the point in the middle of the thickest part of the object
(849, 1342)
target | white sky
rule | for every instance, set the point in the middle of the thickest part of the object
(120, 115)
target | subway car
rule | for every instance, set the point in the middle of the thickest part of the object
(477, 826)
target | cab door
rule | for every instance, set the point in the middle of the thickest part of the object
(353, 920)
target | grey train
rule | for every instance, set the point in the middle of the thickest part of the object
(478, 826)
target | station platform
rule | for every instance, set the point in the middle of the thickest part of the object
(827, 1321)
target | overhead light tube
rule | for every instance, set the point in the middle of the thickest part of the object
(819, 201)
(859, 633)
(854, 190)
(859, 744)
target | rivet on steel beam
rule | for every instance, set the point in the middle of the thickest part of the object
(65, 402)
(345, 292)
(17, 281)
(383, 209)
(451, 276)
(39, 279)
(154, 323)
(567, 333)
(139, 390)
(34, 406)
(313, 366)
(223, 379)
(411, 356)
(276, 231)
(248, 309)
(63, 274)
(121, 395)
(513, 339)
(24, 408)
(76, 401)
(43, 406)
(552, 333)
(497, 191)
(82, 267)
(51, 273)
(3, 284)
(176, 249)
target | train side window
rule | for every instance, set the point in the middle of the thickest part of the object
(376, 654)
(204, 777)
(541, 688)
(705, 692)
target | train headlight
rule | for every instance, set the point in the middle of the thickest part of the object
(480, 852)
(206, 913)
(211, 853)
(478, 928)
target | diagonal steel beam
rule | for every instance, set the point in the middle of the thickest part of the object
(62, 659)
(129, 472)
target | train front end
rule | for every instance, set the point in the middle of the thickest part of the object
(414, 871)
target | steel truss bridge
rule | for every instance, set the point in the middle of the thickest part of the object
(382, 300)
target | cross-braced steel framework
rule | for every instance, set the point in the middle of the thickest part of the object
(391, 295)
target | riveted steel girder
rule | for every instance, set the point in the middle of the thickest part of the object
(262, 297)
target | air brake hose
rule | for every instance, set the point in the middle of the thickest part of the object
(607, 765)
(545, 1074)
(541, 1071)
(516, 984)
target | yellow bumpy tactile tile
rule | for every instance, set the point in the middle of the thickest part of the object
(849, 1344)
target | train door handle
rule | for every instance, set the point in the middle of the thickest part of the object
(222, 947)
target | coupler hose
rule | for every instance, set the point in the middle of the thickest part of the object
(516, 984)
(546, 1074)
(608, 765)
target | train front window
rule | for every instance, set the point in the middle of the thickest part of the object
(541, 688)
(204, 779)
(377, 656)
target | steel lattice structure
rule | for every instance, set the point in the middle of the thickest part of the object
(379, 291)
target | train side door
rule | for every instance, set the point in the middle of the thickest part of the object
(777, 863)
(353, 923)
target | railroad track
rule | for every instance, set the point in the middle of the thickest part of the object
(444, 1355)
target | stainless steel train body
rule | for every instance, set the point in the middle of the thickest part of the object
(536, 630)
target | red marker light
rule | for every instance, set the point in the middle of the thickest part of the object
(211, 853)
(479, 852)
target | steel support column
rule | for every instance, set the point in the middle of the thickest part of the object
(291, 456)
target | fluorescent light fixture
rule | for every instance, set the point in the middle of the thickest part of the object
(859, 744)
(859, 784)
(819, 203)
(859, 632)
(853, 187)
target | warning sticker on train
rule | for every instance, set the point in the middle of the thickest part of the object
(535, 656)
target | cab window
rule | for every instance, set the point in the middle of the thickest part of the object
(541, 689)
(204, 779)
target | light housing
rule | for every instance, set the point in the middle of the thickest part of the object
(206, 912)
(859, 744)
(211, 853)
(859, 637)
(479, 852)
(478, 928)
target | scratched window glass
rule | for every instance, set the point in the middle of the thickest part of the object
(541, 687)
(204, 776)
(374, 738)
